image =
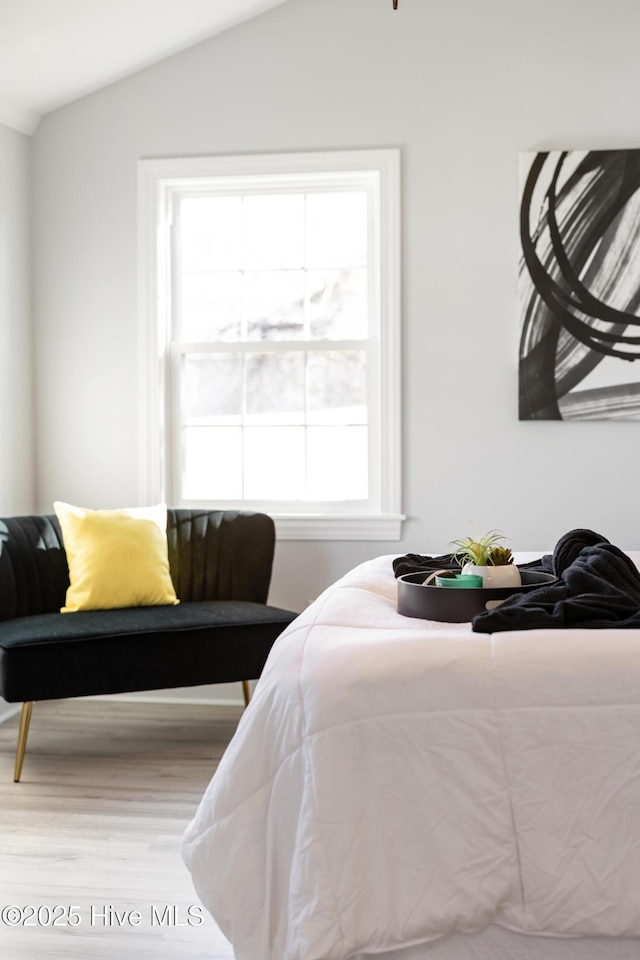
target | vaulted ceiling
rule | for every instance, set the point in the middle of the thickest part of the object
(54, 51)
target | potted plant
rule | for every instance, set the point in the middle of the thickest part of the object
(486, 557)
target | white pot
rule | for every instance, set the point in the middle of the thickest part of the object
(507, 575)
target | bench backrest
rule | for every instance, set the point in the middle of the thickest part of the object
(213, 555)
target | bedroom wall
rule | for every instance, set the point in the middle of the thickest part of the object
(461, 87)
(17, 483)
(17, 479)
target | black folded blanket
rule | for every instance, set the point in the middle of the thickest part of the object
(597, 586)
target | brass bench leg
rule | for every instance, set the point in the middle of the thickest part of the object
(246, 692)
(23, 733)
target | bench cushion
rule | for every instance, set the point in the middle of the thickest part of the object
(54, 655)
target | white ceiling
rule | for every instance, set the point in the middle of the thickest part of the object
(54, 51)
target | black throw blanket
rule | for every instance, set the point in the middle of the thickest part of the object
(598, 586)
(417, 563)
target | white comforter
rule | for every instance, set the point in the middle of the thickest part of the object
(396, 779)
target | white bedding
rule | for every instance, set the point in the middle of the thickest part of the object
(395, 780)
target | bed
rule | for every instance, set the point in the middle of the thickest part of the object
(417, 791)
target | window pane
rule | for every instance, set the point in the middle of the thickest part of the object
(275, 388)
(212, 463)
(336, 229)
(274, 463)
(337, 304)
(273, 231)
(210, 233)
(274, 304)
(212, 388)
(329, 446)
(211, 306)
(337, 386)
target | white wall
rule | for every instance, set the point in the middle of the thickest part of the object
(17, 487)
(461, 87)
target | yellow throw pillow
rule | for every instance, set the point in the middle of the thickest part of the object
(116, 558)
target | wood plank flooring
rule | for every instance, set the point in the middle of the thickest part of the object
(96, 824)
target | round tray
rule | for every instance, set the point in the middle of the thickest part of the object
(429, 602)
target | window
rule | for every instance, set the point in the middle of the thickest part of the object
(270, 338)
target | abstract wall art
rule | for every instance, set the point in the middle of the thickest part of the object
(579, 285)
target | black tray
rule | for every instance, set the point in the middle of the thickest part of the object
(429, 602)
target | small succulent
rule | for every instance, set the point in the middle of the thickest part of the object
(484, 551)
(500, 557)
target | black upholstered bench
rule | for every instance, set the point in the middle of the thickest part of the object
(222, 630)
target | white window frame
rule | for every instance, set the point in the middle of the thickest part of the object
(158, 183)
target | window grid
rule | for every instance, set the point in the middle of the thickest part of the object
(245, 345)
(181, 351)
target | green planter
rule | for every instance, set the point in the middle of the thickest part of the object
(461, 581)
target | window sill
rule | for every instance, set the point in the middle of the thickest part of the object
(308, 527)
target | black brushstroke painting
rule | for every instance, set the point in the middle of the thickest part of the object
(580, 285)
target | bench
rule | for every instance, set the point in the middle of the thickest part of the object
(221, 631)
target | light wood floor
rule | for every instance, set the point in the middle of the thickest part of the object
(107, 790)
